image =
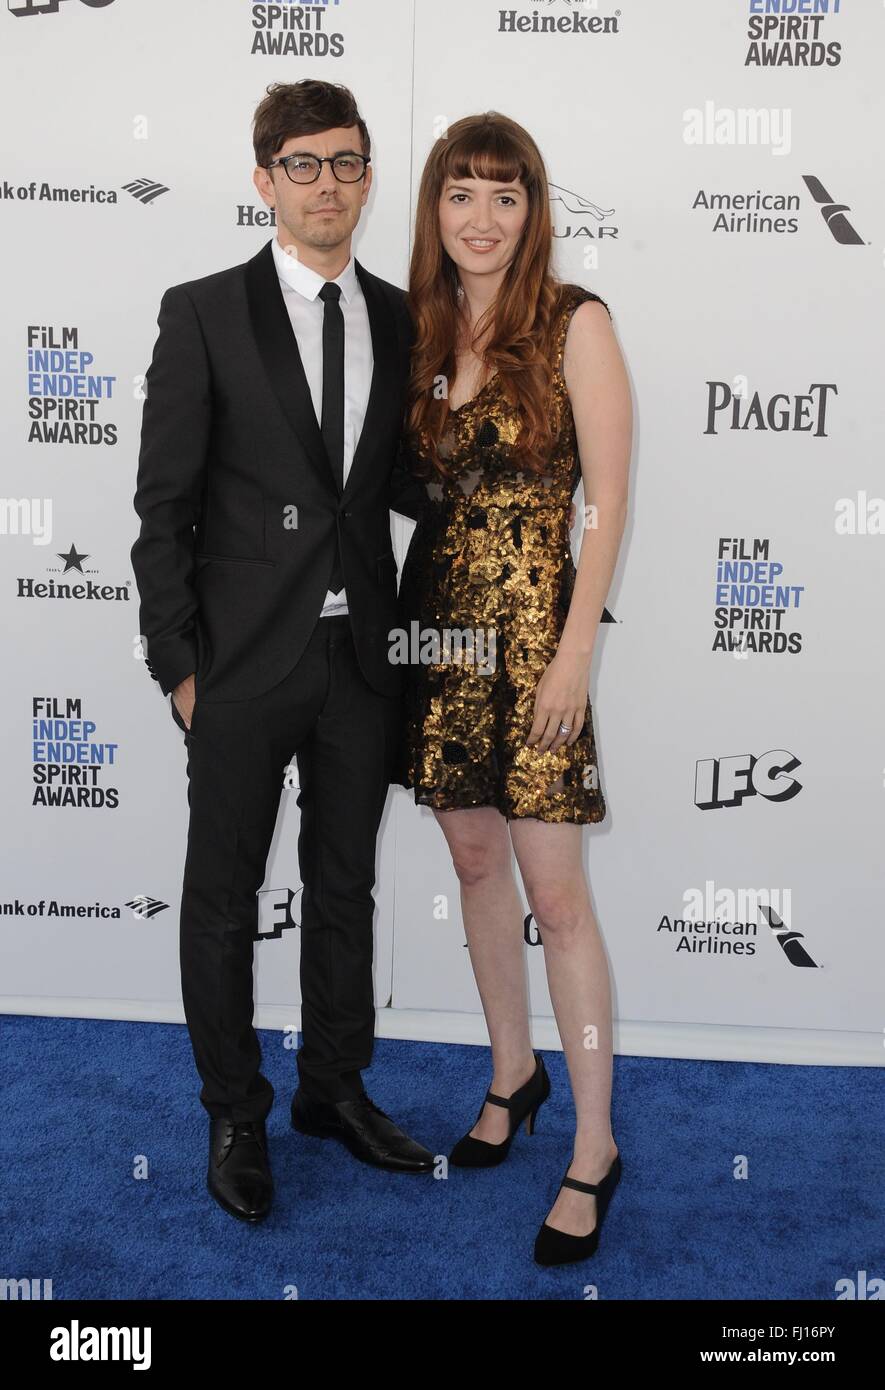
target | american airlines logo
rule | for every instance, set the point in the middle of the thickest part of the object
(789, 941)
(832, 212)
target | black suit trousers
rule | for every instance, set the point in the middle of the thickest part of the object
(342, 733)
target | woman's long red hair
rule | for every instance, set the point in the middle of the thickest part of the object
(488, 146)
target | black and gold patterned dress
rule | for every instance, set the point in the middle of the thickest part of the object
(490, 556)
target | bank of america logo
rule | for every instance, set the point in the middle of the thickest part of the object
(143, 906)
(145, 190)
(833, 213)
(788, 940)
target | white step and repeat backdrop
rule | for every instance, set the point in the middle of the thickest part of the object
(716, 175)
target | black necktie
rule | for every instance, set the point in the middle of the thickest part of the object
(332, 425)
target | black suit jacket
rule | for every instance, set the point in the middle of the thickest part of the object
(238, 503)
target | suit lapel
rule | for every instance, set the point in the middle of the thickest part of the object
(279, 353)
(278, 349)
(383, 331)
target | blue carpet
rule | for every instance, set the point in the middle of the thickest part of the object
(85, 1098)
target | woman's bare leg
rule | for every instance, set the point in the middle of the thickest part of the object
(551, 864)
(493, 924)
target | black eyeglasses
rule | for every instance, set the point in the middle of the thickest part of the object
(306, 168)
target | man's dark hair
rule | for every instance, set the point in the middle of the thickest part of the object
(303, 108)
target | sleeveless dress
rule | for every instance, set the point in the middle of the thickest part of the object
(490, 557)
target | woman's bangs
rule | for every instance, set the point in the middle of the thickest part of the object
(480, 156)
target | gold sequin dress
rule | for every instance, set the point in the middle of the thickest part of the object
(490, 559)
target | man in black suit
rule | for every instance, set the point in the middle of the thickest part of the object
(267, 469)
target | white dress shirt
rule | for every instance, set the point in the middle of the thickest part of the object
(301, 287)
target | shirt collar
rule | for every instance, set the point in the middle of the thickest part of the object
(307, 282)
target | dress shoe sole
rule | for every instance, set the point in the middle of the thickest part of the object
(251, 1218)
(330, 1132)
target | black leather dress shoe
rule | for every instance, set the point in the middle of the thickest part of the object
(239, 1171)
(370, 1135)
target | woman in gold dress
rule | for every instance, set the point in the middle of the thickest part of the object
(518, 389)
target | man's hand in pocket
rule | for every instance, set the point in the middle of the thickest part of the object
(184, 697)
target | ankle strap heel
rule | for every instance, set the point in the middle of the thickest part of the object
(554, 1247)
(523, 1104)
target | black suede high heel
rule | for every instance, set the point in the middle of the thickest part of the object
(524, 1104)
(554, 1247)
